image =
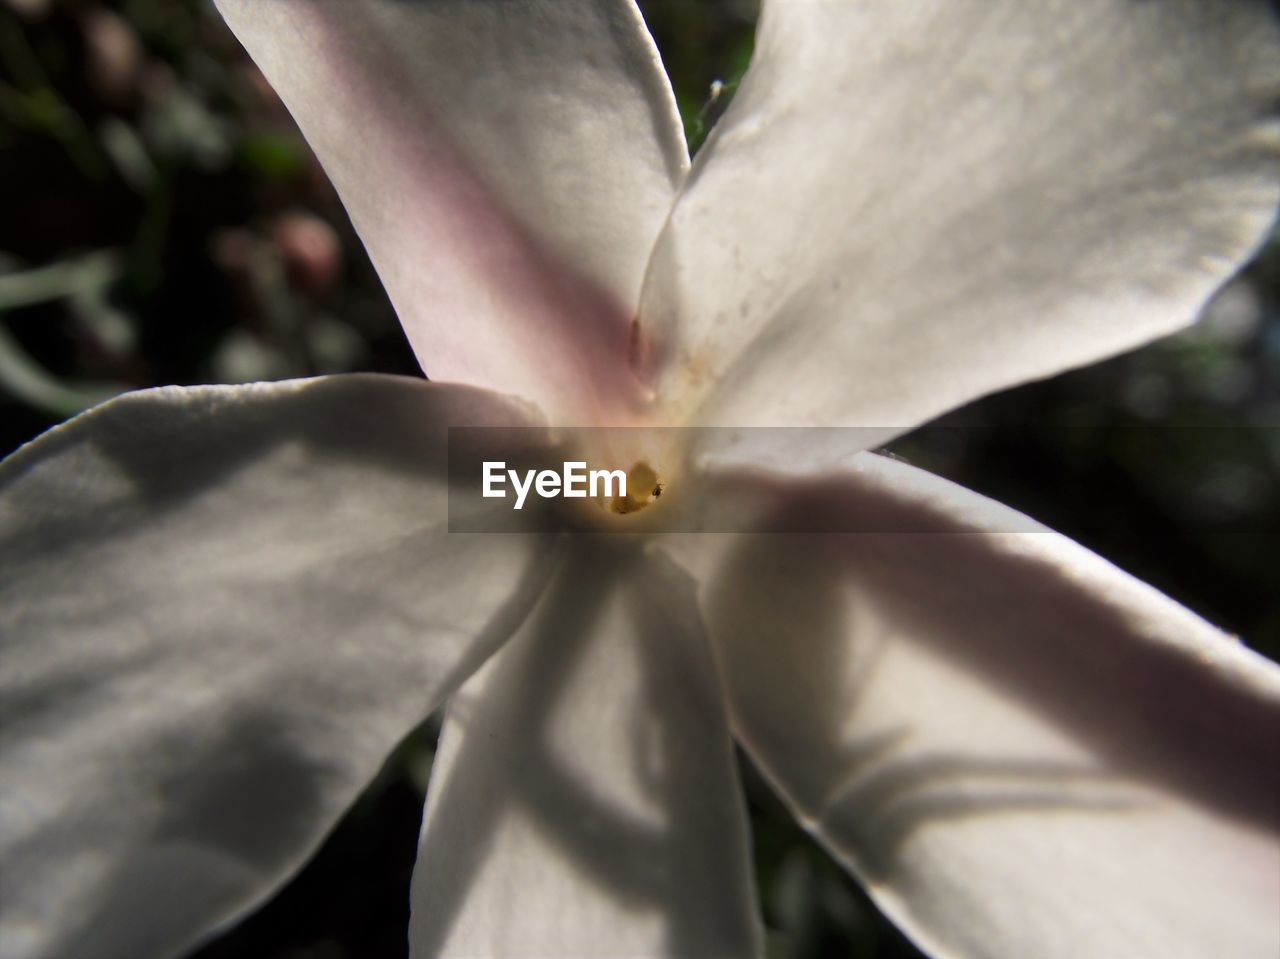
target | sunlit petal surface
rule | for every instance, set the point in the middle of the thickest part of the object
(1019, 749)
(220, 608)
(508, 164)
(584, 801)
(909, 205)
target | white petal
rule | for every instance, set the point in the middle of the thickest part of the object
(508, 163)
(220, 608)
(1019, 749)
(584, 802)
(909, 205)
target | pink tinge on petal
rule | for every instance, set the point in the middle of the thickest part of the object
(971, 711)
(482, 299)
(521, 321)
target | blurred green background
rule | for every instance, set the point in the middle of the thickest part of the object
(163, 222)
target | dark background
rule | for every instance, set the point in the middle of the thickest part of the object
(163, 222)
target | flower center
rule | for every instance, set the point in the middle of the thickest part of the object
(635, 466)
(643, 487)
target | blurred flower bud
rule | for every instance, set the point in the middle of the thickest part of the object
(233, 250)
(310, 250)
(113, 53)
(31, 9)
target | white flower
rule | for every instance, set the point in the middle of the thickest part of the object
(220, 608)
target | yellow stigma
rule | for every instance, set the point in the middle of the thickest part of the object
(643, 487)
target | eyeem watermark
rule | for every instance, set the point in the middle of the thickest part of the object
(521, 479)
(574, 481)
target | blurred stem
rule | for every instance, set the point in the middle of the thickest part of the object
(19, 58)
(64, 278)
(33, 102)
(146, 253)
(22, 377)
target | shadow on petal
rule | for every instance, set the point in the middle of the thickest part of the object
(221, 823)
(1166, 703)
(591, 760)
